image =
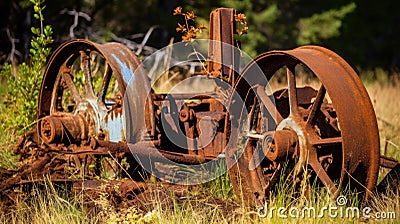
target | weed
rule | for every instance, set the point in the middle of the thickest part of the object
(23, 86)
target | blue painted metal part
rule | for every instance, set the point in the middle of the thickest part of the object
(109, 119)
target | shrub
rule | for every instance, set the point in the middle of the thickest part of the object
(24, 85)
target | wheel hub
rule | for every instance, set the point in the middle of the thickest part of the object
(281, 145)
(63, 128)
(298, 129)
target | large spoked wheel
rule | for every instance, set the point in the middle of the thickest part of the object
(82, 99)
(83, 89)
(326, 129)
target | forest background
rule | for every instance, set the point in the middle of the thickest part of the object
(364, 32)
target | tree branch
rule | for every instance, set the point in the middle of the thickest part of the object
(76, 15)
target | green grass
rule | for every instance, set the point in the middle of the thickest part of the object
(7, 138)
(49, 206)
(212, 202)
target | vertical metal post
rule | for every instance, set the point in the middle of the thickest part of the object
(222, 54)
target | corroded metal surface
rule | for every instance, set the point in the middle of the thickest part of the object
(104, 116)
(354, 148)
(391, 182)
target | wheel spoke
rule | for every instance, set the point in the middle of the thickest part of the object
(321, 173)
(326, 141)
(66, 76)
(316, 106)
(253, 167)
(269, 105)
(255, 164)
(290, 72)
(85, 66)
(105, 83)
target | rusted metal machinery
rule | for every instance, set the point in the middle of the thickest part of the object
(90, 113)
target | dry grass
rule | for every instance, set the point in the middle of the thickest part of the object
(214, 202)
(48, 207)
(387, 109)
(45, 206)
